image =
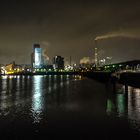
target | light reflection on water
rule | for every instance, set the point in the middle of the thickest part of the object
(26, 90)
(34, 95)
(134, 107)
(125, 105)
(120, 104)
(37, 103)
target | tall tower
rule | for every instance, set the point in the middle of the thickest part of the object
(70, 60)
(96, 54)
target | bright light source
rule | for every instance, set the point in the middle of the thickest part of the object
(37, 57)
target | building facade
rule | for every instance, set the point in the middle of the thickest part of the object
(58, 63)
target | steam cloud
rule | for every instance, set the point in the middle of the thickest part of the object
(85, 60)
(45, 45)
(44, 53)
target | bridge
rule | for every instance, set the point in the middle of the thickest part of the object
(125, 72)
(133, 65)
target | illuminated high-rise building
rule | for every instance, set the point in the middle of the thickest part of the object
(36, 56)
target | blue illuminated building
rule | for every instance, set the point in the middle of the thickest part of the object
(36, 58)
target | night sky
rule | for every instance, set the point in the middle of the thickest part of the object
(68, 28)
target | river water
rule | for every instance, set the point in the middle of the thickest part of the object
(67, 107)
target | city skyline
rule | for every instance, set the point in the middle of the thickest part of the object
(68, 28)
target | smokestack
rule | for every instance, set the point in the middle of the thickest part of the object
(96, 54)
(70, 60)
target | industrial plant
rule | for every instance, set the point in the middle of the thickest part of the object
(39, 64)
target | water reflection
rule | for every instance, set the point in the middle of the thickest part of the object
(13, 93)
(126, 104)
(48, 92)
(134, 107)
(37, 100)
(110, 106)
(6, 91)
(50, 85)
(120, 103)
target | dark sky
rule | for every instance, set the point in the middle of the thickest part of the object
(68, 28)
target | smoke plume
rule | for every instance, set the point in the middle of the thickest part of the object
(127, 34)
